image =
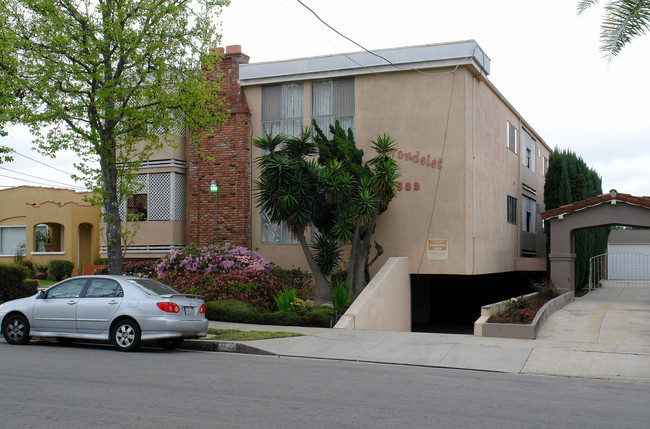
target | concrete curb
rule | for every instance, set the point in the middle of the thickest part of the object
(223, 346)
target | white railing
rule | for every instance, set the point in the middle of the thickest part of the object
(618, 266)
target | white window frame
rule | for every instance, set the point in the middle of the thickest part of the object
(17, 244)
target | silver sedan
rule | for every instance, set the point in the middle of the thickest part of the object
(123, 310)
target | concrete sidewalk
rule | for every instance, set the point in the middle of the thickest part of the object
(605, 334)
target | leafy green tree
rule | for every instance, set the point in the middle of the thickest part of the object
(109, 79)
(359, 193)
(623, 20)
(339, 195)
(568, 180)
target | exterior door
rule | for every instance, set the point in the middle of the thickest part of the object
(98, 306)
(56, 311)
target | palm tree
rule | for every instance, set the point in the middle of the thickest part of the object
(623, 20)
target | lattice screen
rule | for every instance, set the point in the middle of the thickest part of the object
(159, 196)
(179, 196)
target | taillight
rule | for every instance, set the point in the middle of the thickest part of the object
(168, 307)
(202, 309)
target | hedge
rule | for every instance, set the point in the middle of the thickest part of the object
(12, 285)
(230, 310)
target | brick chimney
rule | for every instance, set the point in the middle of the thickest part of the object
(229, 146)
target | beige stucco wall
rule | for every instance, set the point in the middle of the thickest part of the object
(385, 304)
(30, 206)
(452, 117)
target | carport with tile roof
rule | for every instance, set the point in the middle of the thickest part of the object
(604, 210)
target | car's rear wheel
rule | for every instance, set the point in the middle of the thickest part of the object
(170, 343)
(16, 330)
(125, 335)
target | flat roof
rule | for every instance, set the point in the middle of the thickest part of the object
(452, 54)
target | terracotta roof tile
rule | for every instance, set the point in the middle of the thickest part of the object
(594, 201)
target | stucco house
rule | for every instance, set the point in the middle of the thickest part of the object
(31, 216)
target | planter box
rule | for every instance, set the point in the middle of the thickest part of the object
(514, 330)
(88, 269)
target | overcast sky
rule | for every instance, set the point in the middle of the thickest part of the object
(545, 61)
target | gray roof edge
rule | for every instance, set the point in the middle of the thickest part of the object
(405, 58)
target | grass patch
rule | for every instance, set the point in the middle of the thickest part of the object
(235, 335)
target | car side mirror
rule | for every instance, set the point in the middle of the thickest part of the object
(41, 294)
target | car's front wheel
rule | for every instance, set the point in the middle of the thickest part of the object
(125, 335)
(16, 330)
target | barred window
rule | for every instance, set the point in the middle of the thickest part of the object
(274, 233)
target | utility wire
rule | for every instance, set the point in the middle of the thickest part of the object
(42, 163)
(41, 178)
(25, 180)
(376, 54)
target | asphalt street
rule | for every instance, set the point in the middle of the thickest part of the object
(82, 386)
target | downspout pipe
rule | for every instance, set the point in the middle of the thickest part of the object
(474, 175)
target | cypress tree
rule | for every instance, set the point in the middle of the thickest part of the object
(568, 180)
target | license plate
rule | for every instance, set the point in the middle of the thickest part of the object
(189, 311)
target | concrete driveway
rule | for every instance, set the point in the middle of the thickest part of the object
(616, 314)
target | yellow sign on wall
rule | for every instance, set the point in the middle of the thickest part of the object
(437, 249)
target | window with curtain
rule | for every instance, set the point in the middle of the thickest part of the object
(282, 109)
(282, 113)
(333, 100)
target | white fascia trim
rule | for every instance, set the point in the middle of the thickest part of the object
(453, 54)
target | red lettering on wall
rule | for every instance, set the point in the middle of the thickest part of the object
(408, 186)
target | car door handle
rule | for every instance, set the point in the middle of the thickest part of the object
(113, 302)
(72, 302)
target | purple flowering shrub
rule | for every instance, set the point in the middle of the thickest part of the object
(213, 259)
(221, 272)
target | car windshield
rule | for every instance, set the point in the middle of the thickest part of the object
(153, 287)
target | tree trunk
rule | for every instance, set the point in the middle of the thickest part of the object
(323, 288)
(358, 262)
(113, 221)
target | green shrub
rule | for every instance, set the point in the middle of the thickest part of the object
(12, 285)
(31, 287)
(229, 310)
(341, 297)
(517, 304)
(285, 298)
(338, 277)
(60, 269)
(545, 288)
(29, 266)
(232, 310)
(295, 278)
